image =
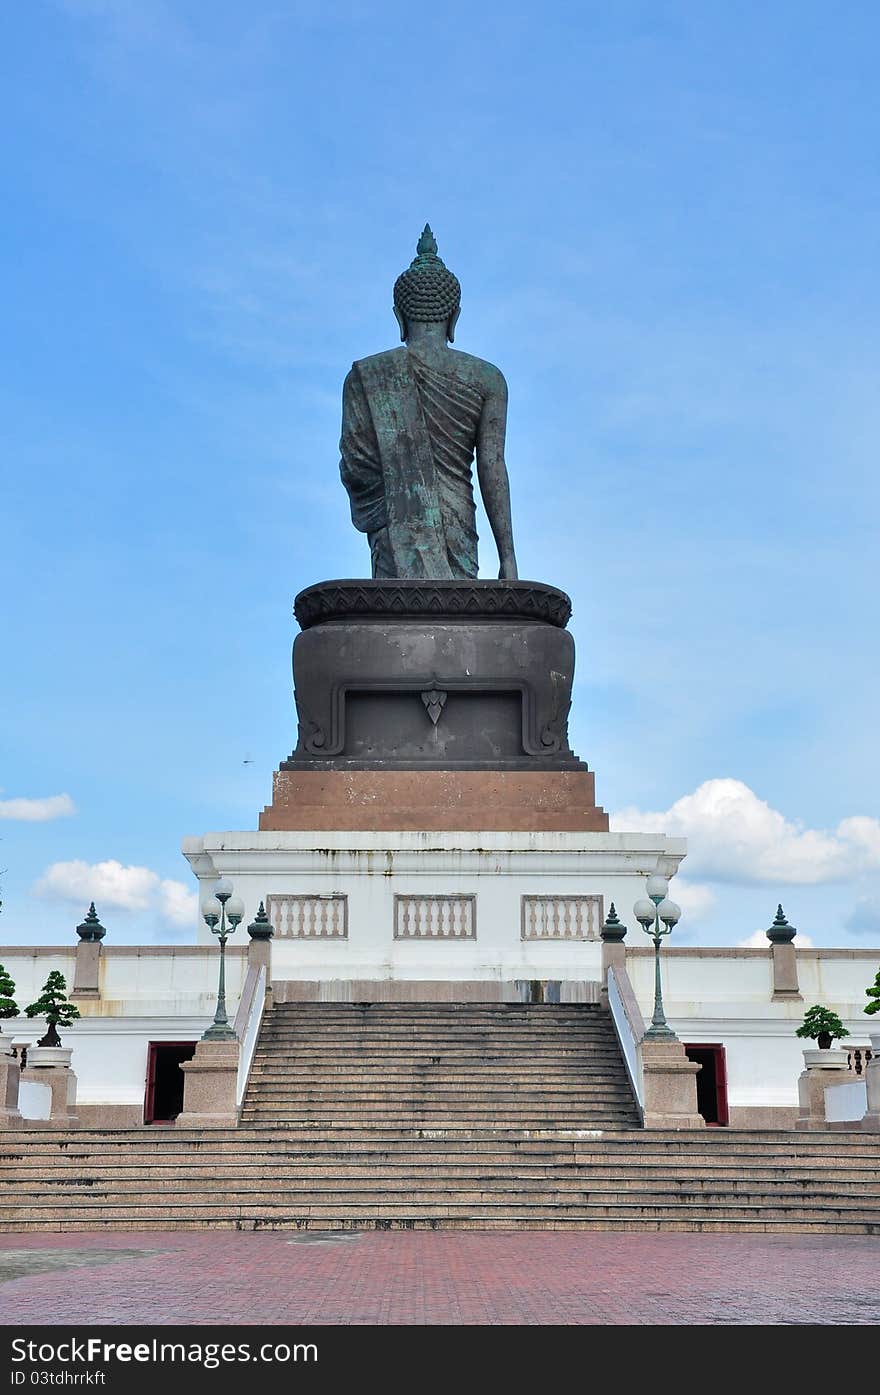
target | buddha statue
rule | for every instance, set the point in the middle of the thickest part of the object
(412, 420)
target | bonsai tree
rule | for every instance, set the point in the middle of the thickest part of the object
(53, 1004)
(874, 995)
(7, 1001)
(822, 1025)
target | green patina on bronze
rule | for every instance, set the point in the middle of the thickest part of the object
(413, 419)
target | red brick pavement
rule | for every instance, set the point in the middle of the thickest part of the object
(426, 1277)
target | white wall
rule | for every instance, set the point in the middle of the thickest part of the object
(724, 996)
(135, 980)
(110, 1054)
(31, 966)
(497, 868)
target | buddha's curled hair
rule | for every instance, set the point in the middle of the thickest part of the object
(427, 290)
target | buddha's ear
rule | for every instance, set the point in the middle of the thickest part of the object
(450, 327)
(402, 322)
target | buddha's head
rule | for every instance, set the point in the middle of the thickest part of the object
(427, 292)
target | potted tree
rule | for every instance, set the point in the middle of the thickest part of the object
(53, 1004)
(822, 1025)
(874, 1006)
(7, 1001)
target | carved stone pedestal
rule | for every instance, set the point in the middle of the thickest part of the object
(670, 1086)
(433, 705)
(823, 1068)
(209, 1087)
(49, 1067)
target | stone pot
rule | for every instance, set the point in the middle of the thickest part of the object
(49, 1055)
(826, 1059)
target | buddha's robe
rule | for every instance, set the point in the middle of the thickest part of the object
(408, 436)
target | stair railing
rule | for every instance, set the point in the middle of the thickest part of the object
(247, 1024)
(629, 1026)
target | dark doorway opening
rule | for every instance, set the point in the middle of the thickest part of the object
(711, 1081)
(164, 1096)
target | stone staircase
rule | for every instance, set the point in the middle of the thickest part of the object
(437, 1065)
(472, 1117)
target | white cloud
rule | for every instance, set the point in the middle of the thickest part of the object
(694, 898)
(54, 806)
(735, 836)
(864, 918)
(110, 884)
(759, 941)
(177, 903)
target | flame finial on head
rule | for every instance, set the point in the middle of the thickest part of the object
(427, 243)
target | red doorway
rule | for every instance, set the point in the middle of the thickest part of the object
(163, 1099)
(711, 1081)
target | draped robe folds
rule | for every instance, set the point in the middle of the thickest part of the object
(408, 438)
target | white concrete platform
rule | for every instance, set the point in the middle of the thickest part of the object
(444, 906)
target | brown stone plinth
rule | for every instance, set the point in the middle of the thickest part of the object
(9, 1079)
(209, 1086)
(534, 801)
(670, 1086)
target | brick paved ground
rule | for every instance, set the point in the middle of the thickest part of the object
(438, 1277)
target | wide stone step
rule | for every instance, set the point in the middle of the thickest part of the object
(412, 1107)
(699, 1148)
(568, 1053)
(524, 1102)
(438, 1058)
(436, 1077)
(589, 1029)
(405, 1050)
(430, 1152)
(551, 1031)
(437, 1012)
(416, 1190)
(409, 1157)
(430, 1120)
(302, 1165)
(383, 1045)
(358, 1091)
(436, 1067)
(168, 1212)
(725, 1225)
(703, 1145)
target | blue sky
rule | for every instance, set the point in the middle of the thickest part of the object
(665, 220)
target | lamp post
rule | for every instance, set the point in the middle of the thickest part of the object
(649, 912)
(222, 913)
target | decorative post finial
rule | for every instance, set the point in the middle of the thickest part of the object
(261, 927)
(91, 928)
(780, 932)
(614, 928)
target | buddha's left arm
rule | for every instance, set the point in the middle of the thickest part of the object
(492, 473)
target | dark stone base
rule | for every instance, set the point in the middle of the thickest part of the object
(416, 675)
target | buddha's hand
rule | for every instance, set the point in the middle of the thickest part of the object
(508, 570)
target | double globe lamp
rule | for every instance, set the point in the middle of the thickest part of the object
(653, 912)
(222, 913)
